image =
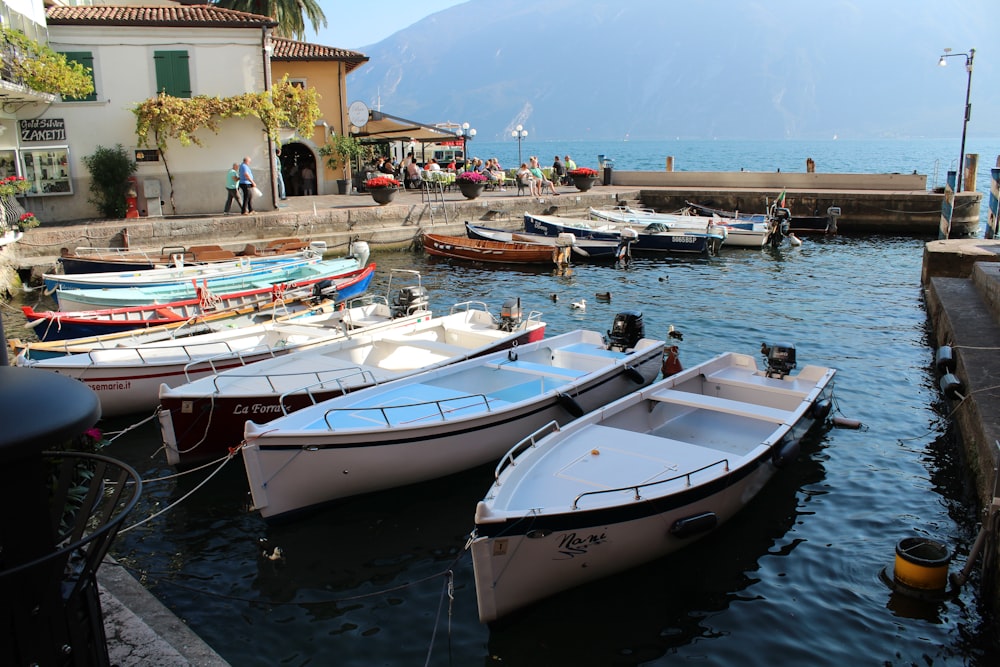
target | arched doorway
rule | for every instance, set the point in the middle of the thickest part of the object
(298, 168)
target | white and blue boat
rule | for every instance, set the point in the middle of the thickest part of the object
(100, 298)
(652, 236)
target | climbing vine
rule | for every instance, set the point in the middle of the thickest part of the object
(40, 68)
(161, 118)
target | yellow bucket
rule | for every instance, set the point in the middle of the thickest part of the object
(921, 563)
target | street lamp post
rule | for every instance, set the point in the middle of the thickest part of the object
(519, 133)
(969, 57)
(466, 133)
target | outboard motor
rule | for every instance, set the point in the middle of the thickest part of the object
(510, 314)
(626, 330)
(409, 299)
(324, 289)
(360, 251)
(832, 214)
(780, 358)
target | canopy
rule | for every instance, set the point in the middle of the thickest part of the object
(385, 127)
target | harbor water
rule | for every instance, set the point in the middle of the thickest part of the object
(384, 579)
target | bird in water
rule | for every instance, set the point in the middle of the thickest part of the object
(794, 240)
(580, 305)
(603, 296)
(664, 278)
(673, 333)
(554, 296)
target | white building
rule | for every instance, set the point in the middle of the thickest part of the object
(134, 53)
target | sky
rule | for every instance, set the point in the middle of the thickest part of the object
(352, 25)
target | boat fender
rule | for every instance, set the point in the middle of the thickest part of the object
(951, 386)
(570, 405)
(512, 353)
(821, 410)
(844, 422)
(944, 361)
(786, 454)
(634, 375)
(693, 525)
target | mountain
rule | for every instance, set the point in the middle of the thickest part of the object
(728, 69)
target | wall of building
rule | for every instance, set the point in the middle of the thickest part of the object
(224, 62)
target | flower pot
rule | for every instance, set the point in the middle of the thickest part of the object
(383, 196)
(583, 183)
(471, 190)
(342, 186)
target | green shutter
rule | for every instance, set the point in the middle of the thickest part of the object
(172, 74)
(85, 58)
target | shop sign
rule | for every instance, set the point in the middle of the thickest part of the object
(42, 129)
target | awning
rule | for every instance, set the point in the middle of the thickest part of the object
(385, 127)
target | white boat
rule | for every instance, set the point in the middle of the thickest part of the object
(739, 233)
(439, 422)
(128, 379)
(640, 478)
(202, 419)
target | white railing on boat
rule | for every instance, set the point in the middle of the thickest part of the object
(365, 375)
(383, 409)
(686, 477)
(529, 442)
(234, 355)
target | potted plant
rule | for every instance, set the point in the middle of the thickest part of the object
(12, 187)
(583, 177)
(471, 183)
(341, 151)
(27, 221)
(383, 189)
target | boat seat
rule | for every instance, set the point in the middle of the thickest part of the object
(539, 369)
(739, 408)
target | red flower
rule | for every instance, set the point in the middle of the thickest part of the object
(583, 171)
(381, 182)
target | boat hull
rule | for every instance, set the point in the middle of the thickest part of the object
(196, 426)
(581, 248)
(644, 478)
(457, 247)
(291, 468)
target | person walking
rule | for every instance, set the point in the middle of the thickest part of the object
(247, 184)
(232, 187)
(308, 187)
(281, 179)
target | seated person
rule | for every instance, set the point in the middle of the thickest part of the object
(525, 175)
(540, 175)
(432, 165)
(385, 166)
(413, 179)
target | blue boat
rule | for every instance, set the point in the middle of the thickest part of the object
(655, 237)
(92, 299)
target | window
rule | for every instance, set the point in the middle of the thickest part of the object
(172, 75)
(85, 58)
(297, 83)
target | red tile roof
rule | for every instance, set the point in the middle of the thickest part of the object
(289, 49)
(181, 16)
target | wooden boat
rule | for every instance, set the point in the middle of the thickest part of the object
(460, 247)
(652, 236)
(640, 478)
(585, 248)
(92, 260)
(128, 379)
(439, 422)
(245, 266)
(814, 224)
(204, 418)
(58, 325)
